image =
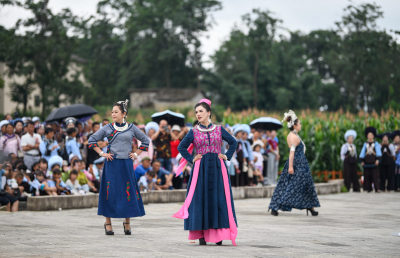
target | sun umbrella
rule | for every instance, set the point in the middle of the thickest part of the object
(76, 110)
(266, 123)
(171, 117)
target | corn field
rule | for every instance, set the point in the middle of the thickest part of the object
(322, 132)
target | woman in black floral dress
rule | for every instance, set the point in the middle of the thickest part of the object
(295, 188)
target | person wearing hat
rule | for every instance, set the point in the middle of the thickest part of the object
(119, 193)
(71, 145)
(396, 144)
(3, 124)
(370, 156)
(295, 188)
(241, 177)
(10, 142)
(348, 154)
(208, 210)
(387, 164)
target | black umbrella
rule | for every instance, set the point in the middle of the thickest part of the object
(172, 118)
(266, 123)
(76, 110)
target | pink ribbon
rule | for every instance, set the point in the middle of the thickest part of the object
(183, 162)
(183, 213)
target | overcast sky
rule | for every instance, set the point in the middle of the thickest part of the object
(303, 15)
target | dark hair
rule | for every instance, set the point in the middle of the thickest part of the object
(288, 119)
(151, 173)
(95, 123)
(48, 130)
(75, 161)
(123, 106)
(42, 160)
(106, 119)
(74, 171)
(155, 161)
(30, 123)
(9, 124)
(56, 172)
(70, 131)
(205, 106)
(55, 164)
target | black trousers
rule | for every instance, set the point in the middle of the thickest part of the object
(397, 178)
(350, 176)
(371, 175)
(387, 177)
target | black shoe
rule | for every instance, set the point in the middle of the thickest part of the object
(219, 243)
(274, 213)
(313, 212)
(127, 232)
(108, 233)
(202, 241)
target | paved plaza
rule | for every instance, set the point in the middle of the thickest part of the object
(349, 225)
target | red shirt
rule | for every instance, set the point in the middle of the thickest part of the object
(174, 148)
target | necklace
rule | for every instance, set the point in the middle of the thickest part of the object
(205, 129)
(120, 128)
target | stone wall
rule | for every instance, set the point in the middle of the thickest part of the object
(41, 203)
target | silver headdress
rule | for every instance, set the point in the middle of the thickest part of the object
(124, 105)
(293, 117)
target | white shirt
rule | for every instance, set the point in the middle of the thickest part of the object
(28, 139)
(260, 159)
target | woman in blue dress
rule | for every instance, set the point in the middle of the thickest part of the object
(119, 194)
(295, 188)
(208, 210)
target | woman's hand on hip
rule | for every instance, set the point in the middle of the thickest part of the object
(133, 155)
(222, 156)
(108, 156)
(197, 157)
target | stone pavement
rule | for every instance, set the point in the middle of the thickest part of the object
(349, 225)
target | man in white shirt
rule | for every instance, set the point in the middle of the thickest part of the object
(30, 143)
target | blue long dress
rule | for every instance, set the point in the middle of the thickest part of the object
(296, 190)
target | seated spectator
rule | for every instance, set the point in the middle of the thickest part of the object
(97, 167)
(90, 175)
(23, 183)
(142, 168)
(163, 176)
(55, 162)
(148, 181)
(41, 185)
(43, 165)
(62, 188)
(73, 184)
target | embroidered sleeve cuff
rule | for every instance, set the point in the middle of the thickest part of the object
(143, 148)
(92, 145)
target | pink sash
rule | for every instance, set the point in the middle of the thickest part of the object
(183, 213)
(183, 162)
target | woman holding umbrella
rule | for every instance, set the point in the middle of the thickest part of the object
(119, 194)
(208, 210)
(295, 188)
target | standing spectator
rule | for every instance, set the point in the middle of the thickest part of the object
(370, 156)
(396, 143)
(273, 159)
(19, 127)
(91, 154)
(10, 142)
(30, 143)
(105, 122)
(3, 124)
(348, 154)
(71, 144)
(162, 140)
(258, 161)
(387, 164)
(49, 147)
